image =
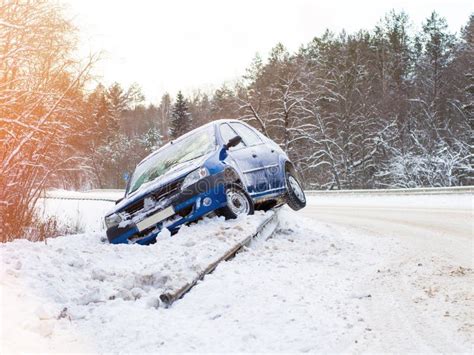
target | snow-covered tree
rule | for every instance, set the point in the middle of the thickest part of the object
(41, 96)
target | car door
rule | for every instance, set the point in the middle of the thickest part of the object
(266, 152)
(246, 161)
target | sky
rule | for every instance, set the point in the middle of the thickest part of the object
(172, 45)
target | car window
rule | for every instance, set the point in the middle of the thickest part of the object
(247, 134)
(178, 152)
(228, 133)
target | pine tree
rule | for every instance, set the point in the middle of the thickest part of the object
(180, 117)
(438, 46)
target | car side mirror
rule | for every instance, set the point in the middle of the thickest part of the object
(233, 142)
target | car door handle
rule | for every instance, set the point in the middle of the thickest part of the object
(273, 150)
(254, 155)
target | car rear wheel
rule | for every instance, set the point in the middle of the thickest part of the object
(238, 203)
(295, 197)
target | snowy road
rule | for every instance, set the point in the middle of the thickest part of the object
(422, 293)
(369, 273)
(447, 231)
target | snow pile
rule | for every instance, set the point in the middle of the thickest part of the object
(73, 278)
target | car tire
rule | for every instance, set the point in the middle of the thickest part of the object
(295, 197)
(238, 202)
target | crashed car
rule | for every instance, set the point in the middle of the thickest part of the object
(225, 167)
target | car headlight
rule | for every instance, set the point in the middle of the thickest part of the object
(112, 220)
(194, 176)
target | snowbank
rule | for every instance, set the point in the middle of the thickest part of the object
(73, 278)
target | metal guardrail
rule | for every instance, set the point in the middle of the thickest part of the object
(264, 230)
(98, 195)
(411, 191)
(91, 195)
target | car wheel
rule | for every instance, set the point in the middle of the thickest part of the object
(295, 197)
(238, 203)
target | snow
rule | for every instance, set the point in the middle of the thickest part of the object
(439, 224)
(315, 286)
(78, 211)
(374, 200)
(73, 278)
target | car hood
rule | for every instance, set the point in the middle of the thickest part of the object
(176, 172)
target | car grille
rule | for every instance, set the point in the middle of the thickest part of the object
(135, 207)
(168, 190)
(164, 192)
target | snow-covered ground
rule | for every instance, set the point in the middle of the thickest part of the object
(345, 274)
(422, 249)
(79, 211)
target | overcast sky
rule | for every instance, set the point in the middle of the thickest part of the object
(190, 44)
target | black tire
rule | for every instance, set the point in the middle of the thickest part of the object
(296, 199)
(231, 210)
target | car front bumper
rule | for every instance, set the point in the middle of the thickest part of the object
(196, 200)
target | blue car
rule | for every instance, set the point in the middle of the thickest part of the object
(225, 167)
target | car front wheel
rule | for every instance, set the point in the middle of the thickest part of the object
(295, 197)
(238, 203)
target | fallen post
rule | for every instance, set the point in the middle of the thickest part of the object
(264, 230)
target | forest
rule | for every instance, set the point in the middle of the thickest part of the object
(385, 107)
(373, 109)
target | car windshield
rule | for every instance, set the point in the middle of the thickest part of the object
(178, 152)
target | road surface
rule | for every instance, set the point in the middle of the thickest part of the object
(445, 231)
